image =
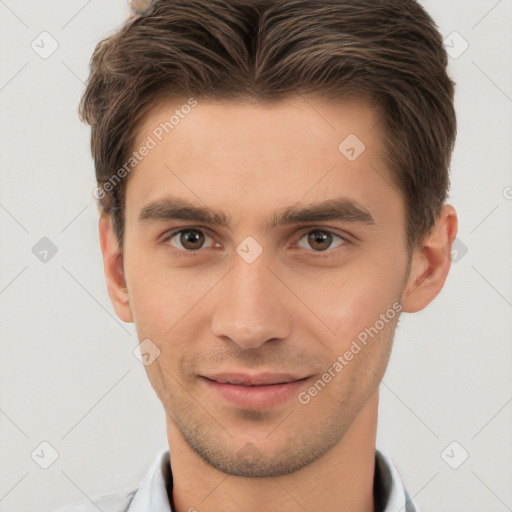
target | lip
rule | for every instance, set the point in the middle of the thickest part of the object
(257, 391)
(257, 379)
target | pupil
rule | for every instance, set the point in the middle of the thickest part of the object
(318, 237)
(191, 237)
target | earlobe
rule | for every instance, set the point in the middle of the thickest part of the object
(113, 267)
(431, 263)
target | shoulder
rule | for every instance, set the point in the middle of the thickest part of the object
(153, 484)
(115, 502)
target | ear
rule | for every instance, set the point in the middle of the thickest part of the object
(113, 267)
(431, 262)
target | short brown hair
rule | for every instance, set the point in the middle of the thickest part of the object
(388, 50)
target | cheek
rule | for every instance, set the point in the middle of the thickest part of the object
(163, 300)
(151, 296)
(352, 300)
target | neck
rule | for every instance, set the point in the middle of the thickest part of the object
(339, 481)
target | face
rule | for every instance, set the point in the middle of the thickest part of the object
(267, 265)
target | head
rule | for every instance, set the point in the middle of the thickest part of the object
(272, 178)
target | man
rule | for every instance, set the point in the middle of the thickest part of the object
(272, 176)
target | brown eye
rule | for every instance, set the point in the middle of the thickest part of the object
(191, 239)
(319, 240)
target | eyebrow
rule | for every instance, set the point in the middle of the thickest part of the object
(336, 209)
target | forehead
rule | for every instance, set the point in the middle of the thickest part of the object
(207, 126)
(256, 155)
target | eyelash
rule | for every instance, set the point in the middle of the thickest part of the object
(316, 254)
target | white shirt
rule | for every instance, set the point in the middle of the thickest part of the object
(151, 495)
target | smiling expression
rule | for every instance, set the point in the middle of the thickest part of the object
(255, 252)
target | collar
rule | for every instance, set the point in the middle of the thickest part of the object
(389, 490)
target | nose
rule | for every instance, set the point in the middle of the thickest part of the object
(252, 305)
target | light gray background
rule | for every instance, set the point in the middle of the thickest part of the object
(68, 375)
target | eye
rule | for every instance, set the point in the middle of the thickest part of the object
(191, 240)
(188, 239)
(321, 240)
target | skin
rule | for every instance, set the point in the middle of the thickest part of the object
(288, 311)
